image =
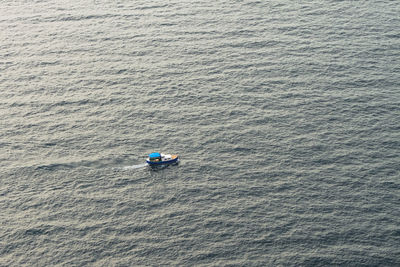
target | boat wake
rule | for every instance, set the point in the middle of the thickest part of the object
(137, 166)
(88, 164)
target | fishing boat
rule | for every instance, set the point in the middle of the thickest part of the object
(157, 159)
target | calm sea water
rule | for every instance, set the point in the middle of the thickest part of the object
(285, 114)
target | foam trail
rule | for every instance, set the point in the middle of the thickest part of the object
(138, 166)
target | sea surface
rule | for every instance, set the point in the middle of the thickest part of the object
(285, 114)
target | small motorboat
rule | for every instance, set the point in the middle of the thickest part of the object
(157, 159)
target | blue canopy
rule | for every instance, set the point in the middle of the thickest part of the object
(155, 155)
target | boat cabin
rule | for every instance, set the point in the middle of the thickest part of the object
(155, 157)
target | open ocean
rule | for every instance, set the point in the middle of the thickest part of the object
(286, 116)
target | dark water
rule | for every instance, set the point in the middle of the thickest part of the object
(286, 117)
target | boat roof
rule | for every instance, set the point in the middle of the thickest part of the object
(154, 155)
